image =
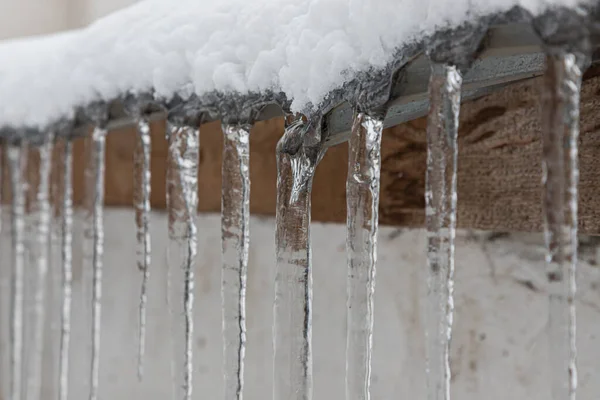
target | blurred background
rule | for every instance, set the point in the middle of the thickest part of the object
(33, 17)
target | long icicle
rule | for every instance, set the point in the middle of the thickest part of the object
(235, 220)
(362, 198)
(2, 182)
(440, 209)
(51, 371)
(141, 203)
(182, 204)
(41, 208)
(95, 194)
(292, 325)
(560, 127)
(17, 161)
(4, 290)
(67, 268)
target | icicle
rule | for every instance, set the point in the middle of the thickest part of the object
(560, 127)
(5, 282)
(362, 197)
(30, 274)
(182, 203)
(41, 210)
(141, 204)
(94, 203)
(296, 162)
(1, 190)
(17, 161)
(66, 213)
(51, 362)
(440, 203)
(235, 219)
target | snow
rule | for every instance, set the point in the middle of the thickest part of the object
(304, 48)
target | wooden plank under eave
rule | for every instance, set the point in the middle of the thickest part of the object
(499, 169)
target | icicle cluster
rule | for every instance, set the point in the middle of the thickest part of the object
(41, 229)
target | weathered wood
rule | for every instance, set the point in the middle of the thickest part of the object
(329, 183)
(499, 170)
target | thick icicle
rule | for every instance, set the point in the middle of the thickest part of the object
(94, 202)
(235, 219)
(560, 127)
(141, 203)
(182, 203)
(40, 248)
(296, 162)
(362, 197)
(66, 213)
(17, 161)
(440, 209)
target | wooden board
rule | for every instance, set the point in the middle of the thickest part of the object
(499, 169)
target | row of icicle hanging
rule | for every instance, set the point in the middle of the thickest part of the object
(298, 154)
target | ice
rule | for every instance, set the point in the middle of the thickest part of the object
(440, 211)
(305, 48)
(5, 282)
(41, 216)
(560, 127)
(66, 220)
(17, 162)
(141, 204)
(94, 207)
(182, 204)
(51, 361)
(292, 325)
(235, 219)
(362, 197)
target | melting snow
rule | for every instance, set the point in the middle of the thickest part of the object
(304, 48)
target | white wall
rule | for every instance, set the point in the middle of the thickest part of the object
(499, 347)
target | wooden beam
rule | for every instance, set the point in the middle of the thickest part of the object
(499, 169)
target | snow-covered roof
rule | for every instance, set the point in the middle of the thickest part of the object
(303, 48)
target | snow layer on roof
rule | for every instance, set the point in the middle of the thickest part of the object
(304, 48)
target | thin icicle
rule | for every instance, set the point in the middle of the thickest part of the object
(560, 127)
(5, 282)
(94, 223)
(42, 216)
(67, 268)
(51, 362)
(235, 219)
(292, 326)
(141, 203)
(182, 203)
(17, 161)
(362, 197)
(2, 158)
(440, 208)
